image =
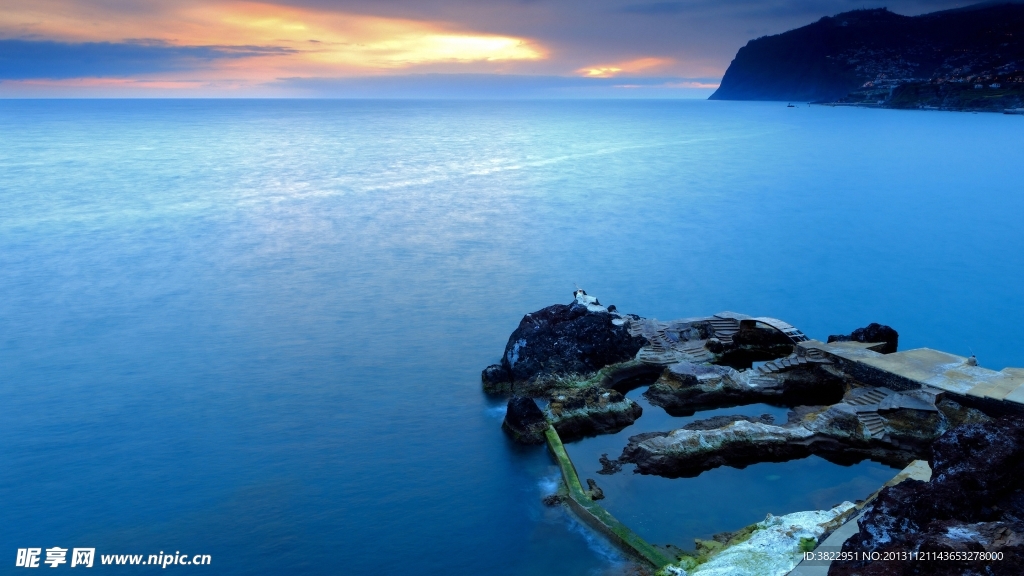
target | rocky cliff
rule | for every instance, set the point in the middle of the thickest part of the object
(969, 58)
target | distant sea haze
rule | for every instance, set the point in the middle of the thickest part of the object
(254, 329)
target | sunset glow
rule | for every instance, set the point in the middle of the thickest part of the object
(304, 47)
(304, 42)
(629, 67)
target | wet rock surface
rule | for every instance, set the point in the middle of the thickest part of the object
(524, 420)
(560, 342)
(764, 339)
(576, 413)
(974, 503)
(719, 421)
(873, 332)
(837, 433)
(685, 388)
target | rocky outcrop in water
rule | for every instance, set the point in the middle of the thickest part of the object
(906, 427)
(561, 342)
(871, 333)
(576, 413)
(524, 421)
(974, 503)
(684, 388)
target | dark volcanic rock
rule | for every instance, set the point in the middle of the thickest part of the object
(833, 432)
(766, 339)
(524, 421)
(684, 388)
(608, 466)
(496, 379)
(974, 502)
(560, 341)
(719, 421)
(576, 413)
(872, 333)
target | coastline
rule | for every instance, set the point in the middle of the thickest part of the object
(1007, 112)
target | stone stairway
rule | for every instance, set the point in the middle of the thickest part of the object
(869, 398)
(795, 335)
(815, 354)
(786, 363)
(870, 419)
(763, 382)
(873, 423)
(724, 328)
(694, 351)
(663, 349)
(658, 354)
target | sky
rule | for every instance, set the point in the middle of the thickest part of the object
(391, 48)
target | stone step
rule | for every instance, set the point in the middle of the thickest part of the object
(872, 422)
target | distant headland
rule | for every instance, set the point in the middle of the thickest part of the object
(969, 58)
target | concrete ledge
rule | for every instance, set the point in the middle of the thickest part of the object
(918, 470)
(597, 517)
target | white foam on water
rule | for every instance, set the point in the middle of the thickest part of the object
(497, 411)
(549, 484)
(601, 547)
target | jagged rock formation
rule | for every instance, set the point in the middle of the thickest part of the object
(970, 58)
(561, 342)
(684, 388)
(974, 503)
(576, 413)
(524, 421)
(911, 422)
(873, 332)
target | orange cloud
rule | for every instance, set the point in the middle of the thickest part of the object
(318, 42)
(630, 67)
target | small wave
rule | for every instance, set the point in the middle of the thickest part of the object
(497, 411)
(598, 545)
(549, 484)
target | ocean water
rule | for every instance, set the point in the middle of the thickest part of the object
(254, 329)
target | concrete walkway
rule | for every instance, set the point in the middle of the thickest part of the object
(918, 470)
(924, 368)
(595, 515)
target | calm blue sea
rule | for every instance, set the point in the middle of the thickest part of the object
(254, 329)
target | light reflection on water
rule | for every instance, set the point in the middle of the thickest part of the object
(255, 329)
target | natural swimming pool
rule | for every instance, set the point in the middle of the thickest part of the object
(675, 511)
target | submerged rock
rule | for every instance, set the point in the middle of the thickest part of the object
(871, 333)
(524, 421)
(974, 503)
(561, 342)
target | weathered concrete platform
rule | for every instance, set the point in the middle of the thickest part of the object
(918, 470)
(924, 368)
